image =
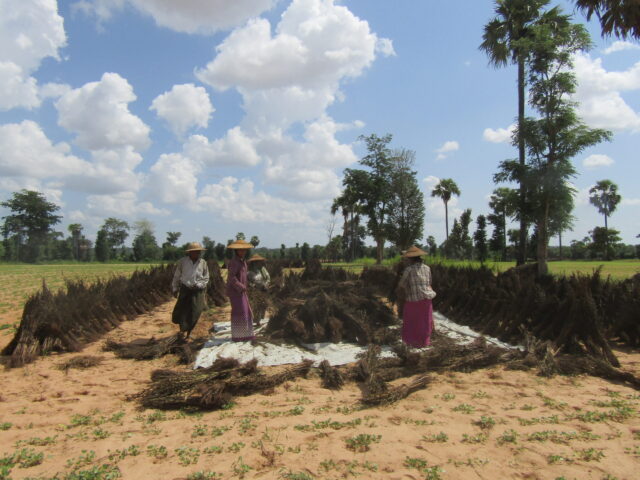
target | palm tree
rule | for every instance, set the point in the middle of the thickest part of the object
(505, 41)
(604, 196)
(620, 17)
(444, 189)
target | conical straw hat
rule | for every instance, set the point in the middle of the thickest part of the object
(240, 244)
(194, 247)
(256, 258)
(414, 251)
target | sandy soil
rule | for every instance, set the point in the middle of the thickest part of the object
(489, 424)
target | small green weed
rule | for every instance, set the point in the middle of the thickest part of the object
(362, 442)
(157, 451)
(436, 438)
(187, 455)
(203, 475)
(485, 422)
(510, 436)
(464, 408)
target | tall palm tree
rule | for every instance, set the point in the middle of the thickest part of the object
(444, 189)
(604, 196)
(618, 17)
(505, 41)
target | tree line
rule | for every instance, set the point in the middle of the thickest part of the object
(542, 43)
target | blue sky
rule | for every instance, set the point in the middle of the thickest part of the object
(212, 117)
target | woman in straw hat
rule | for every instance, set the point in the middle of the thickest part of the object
(189, 285)
(417, 315)
(241, 315)
(258, 275)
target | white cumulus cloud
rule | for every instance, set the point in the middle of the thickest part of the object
(599, 93)
(174, 179)
(189, 16)
(500, 135)
(234, 149)
(446, 148)
(30, 30)
(25, 151)
(184, 107)
(597, 160)
(237, 200)
(620, 46)
(98, 113)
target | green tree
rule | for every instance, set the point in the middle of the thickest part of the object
(560, 217)
(348, 202)
(406, 207)
(75, 229)
(102, 248)
(305, 251)
(210, 248)
(372, 187)
(507, 39)
(603, 241)
(480, 238)
(240, 236)
(558, 134)
(283, 251)
(333, 249)
(503, 203)
(220, 249)
(619, 17)
(255, 241)
(604, 196)
(28, 228)
(431, 244)
(444, 190)
(117, 232)
(145, 247)
(170, 251)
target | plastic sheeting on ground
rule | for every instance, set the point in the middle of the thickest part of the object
(221, 345)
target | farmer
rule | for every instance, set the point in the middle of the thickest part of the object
(189, 285)
(258, 275)
(241, 315)
(417, 315)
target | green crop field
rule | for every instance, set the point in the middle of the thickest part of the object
(616, 269)
(19, 281)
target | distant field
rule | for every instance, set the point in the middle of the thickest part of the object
(616, 269)
(18, 282)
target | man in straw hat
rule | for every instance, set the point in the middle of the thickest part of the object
(190, 284)
(258, 275)
(417, 315)
(237, 283)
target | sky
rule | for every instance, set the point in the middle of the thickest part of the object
(212, 117)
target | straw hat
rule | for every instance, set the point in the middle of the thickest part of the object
(257, 258)
(413, 251)
(194, 247)
(240, 245)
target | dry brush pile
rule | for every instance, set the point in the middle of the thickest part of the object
(82, 312)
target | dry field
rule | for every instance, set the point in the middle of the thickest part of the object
(66, 423)
(78, 424)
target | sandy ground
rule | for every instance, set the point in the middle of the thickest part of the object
(489, 424)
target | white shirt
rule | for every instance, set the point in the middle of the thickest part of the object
(190, 274)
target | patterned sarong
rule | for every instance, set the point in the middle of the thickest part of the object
(241, 318)
(417, 323)
(188, 308)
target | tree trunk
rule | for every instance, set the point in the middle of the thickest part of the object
(543, 241)
(560, 244)
(606, 238)
(522, 246)
(446, 221)
(379, 250)
(504, 235)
